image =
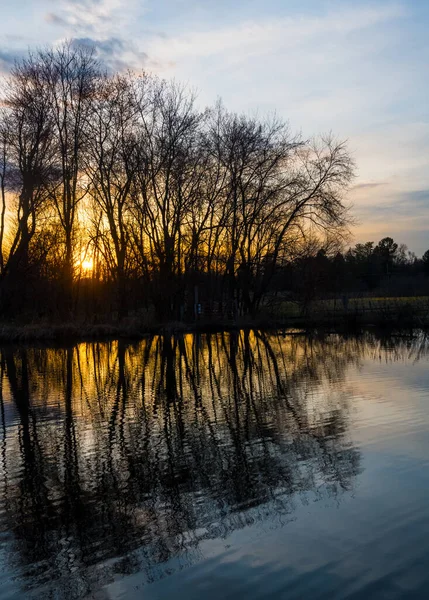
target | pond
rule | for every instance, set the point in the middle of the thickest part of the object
(240, 465)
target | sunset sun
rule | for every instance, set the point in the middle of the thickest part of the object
(87, 264)
(214, 299)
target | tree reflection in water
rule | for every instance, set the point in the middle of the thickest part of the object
(116, 458)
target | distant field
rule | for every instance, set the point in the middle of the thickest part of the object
(420, 304)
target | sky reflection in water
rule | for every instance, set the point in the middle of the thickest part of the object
(230, 465)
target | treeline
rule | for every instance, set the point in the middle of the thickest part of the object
(386, 268)
(118, 193)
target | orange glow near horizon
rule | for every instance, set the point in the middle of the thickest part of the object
(87, 264)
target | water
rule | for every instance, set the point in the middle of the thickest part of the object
(243, 465)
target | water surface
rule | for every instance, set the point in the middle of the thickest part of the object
(245, 465)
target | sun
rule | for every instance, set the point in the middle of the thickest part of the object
(87, 264)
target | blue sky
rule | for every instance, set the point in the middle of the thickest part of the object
(359, 69)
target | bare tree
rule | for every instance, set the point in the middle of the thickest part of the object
(169, 130)
(169, 194)
(312, 195)
(110, 165)
(26, 169)
(69, 73)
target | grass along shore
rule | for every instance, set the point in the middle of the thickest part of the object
(397, 313)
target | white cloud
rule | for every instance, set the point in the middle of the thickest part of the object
(343, 71)
(354, 70)
(317, 71)
(99, 17)
(103, 24)
(243, 40)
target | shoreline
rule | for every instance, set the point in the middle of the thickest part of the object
(75, 332)
(85, 332)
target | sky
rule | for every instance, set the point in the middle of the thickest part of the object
(356, 68)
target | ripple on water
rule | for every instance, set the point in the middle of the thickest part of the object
(236, 465)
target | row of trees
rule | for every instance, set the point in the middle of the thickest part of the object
(386, 267)
(126, 176)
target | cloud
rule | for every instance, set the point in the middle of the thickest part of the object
(55, 20)
(12, 37)
(240, 41)
(367, 186)
(407, 204)
(8, 58)
(91, 17)
(114, 53)
(353, 68)
(403, 215)
(320, 72)
(101, 24)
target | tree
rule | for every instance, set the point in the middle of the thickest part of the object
(164, 195)
(425, 261)
(386, 250)
(26, 167)
(69, 75)
(111, 165)
(168, 137)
